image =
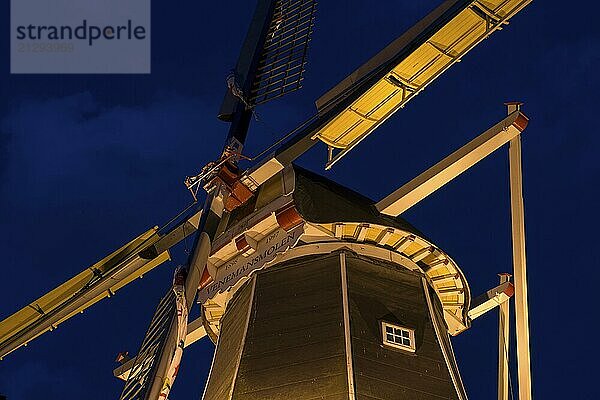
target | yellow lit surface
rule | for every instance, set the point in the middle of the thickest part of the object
(372, 235)
(416, 71)
(55, 298)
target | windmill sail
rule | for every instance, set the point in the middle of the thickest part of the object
(399, 72)
(281, 67)
(273, 56)
(77, 294)
(95, 283)
(140, 377)
(156, 350)
(151, 383)
(369, 96)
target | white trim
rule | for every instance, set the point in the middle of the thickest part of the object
(212, 364)
(365, 249)
(456, 380)
(239, 358)
(347, 337)
(321, 235)
(411, 337)
(519, 268)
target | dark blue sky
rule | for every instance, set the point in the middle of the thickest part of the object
(88, 162)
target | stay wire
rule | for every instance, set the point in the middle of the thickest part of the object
(283, 139)
(510, 385)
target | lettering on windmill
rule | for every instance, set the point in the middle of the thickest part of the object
(229, 274)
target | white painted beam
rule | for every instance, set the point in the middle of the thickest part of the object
(491, 299)
(519, 264)
(453, 165)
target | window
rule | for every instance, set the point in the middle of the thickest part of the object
(398, 336)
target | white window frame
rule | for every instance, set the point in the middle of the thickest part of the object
(411, 336)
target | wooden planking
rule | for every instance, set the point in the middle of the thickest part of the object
(382, 292)
(445, 342)
(302, 353)
(434, 367)
(270, 343)
(223, 370)
(295, 343)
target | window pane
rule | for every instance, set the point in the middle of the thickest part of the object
(398, 336)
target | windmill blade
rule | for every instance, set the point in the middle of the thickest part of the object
(273, 57)
(154, 343)
(282, 64)
(369, 96)
(95, 283)
(157, 356)
(221, 187)
(195, 331)
(404, 68)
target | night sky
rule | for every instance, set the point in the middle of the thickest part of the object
(88, 162)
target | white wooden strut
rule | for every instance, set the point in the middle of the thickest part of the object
(519, 261)
(453, 165)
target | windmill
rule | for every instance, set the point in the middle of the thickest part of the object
(304, 285)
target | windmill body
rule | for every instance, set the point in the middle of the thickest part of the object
(307, 288)
(306, 301)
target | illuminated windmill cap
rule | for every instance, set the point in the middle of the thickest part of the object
(330, 217)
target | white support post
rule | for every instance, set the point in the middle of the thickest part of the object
(520, 266)
(503, 344)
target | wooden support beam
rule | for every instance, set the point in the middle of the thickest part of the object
(491, 299)
(453, 165)
(520, 265)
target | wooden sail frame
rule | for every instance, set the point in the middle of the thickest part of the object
(406, 67)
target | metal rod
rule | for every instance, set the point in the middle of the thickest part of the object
(503, 344)
(520, 265)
